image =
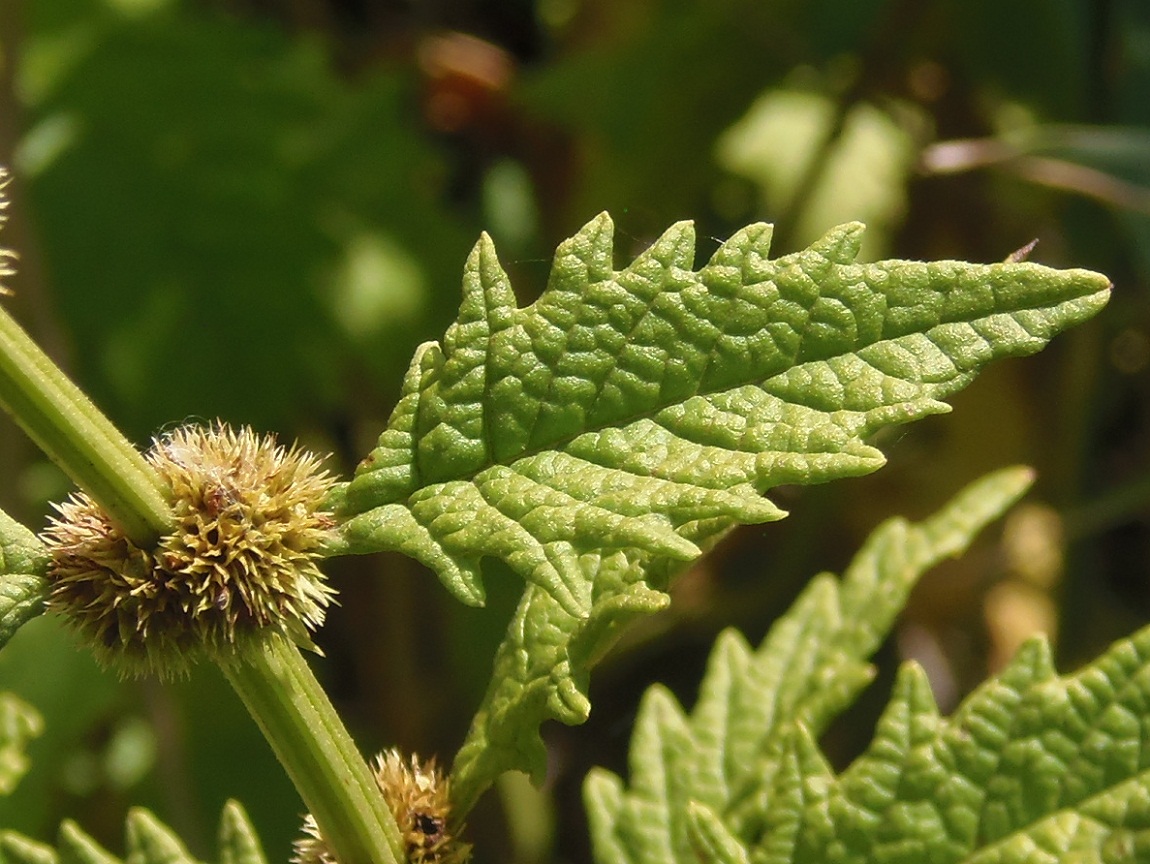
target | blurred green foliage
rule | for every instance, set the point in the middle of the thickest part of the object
(256, 209)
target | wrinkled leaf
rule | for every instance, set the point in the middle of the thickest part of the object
(646, 410)
(1032, 767)
(735, 757)
(541, 671)
(599, 438)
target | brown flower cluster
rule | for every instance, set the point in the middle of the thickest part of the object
(418, 796)
(242, 556)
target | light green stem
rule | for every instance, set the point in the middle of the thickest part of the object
(83, 442)
(268, 672)
(278, 688)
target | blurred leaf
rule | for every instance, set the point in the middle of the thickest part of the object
(1117, 150)
(238, 841)
(1033, 51)
(212, 178)
(23, 564)
(667, 79)
(19, 724)
(76, 847)
(15, 849)
(149, 841)
(42, 667)
(152, 842)
(864, 176)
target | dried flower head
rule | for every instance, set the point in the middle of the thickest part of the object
(418, 796)
(242, 556)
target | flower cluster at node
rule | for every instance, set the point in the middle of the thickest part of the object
(418, 796)
(241, 557)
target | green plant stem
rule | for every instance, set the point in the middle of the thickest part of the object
(278, 688)
(83, 442)
(268, 673)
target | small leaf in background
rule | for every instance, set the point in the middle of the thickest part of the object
(16, 849)
(727, 759)
(19, 724)
(76, 846)
(23, 563)
(152, 842)
(238, 841)
(148, 841)
(864, 177)
(251, 175)
(43, 668)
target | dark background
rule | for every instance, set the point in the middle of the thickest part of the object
(256, 209)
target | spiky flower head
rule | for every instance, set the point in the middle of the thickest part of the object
(242, 556)
(419, 797)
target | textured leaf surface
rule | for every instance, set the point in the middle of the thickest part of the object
(20, 723)
(542, 668)
(148, 841)
(646, 410)
(23, 563)
(729, 783)
(1033, 767)
(541, 671)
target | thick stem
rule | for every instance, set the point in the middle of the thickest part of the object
(279, 690)
(83, 442)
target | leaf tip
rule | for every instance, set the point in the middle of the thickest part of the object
(600, 227)
(482, 256)
(841, 245)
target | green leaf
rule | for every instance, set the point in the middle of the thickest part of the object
(239, 843)
(149, 841)
(646, 410)
(15, 849)
(541, 671)
(1032, 767)
(734, 780)
(599, 437)
(76, 847)
(152, 842)
(710, 837)
(23, 563)
(19, 724)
